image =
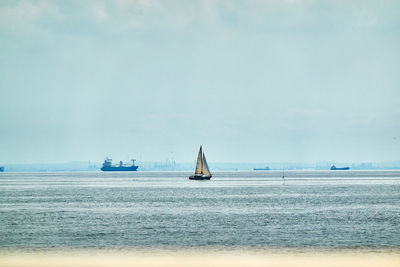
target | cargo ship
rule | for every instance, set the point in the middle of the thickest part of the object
(262, 169)
(108, 166)
(334, 168)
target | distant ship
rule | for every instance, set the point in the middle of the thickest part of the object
(202, 171)
(334, 168)
(1, 169)
(108, 167)
(262, 169)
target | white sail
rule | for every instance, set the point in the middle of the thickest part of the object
(199, 164)
(205, 170)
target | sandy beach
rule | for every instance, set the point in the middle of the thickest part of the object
(202, 258)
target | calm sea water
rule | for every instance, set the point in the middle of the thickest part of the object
(314, 209)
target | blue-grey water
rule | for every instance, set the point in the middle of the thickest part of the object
(313, 209)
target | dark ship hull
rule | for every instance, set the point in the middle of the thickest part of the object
(1, 169)
(194, 177)
(333, 168)
(119, 169)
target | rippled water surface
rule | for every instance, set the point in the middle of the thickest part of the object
(313, 209)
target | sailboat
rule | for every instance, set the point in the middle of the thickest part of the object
(202, 171)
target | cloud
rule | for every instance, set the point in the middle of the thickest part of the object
(19, 17)
(130, 16)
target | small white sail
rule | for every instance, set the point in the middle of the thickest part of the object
(199, 164)
(205, 170)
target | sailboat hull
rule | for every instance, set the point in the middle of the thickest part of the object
(194, 177)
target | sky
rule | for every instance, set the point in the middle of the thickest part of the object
(251, 81)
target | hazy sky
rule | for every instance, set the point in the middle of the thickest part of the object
(253, 81)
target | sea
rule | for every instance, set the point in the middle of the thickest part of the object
(156, 210)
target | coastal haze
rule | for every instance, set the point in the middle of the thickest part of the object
(253, 81)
